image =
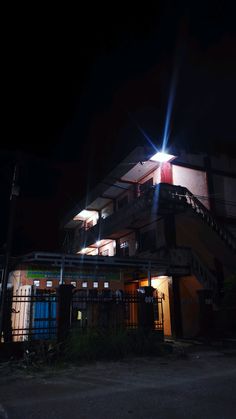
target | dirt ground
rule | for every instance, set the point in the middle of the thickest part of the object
(192, 382)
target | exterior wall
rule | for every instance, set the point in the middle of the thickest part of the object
(92, 220)
(152, 229)
(107, 210)
(130, 238)
(196, 159)
(161, 284)
(77, 278)
(129, 194)
(193, 233)
(224, 189)
(156, 175)
(160, 238)
(223, 162)
(15, 279)
(194, 180)
(107, 248)
(190, 308)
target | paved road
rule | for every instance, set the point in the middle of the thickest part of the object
(202, 385)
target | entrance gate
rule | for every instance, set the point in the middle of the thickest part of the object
(116, 309)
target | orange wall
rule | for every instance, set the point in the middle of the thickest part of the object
(21, 279)
(162, 285)
(189, 305)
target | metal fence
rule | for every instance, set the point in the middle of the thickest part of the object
(33, 314)
(115, 310)
(30, 315)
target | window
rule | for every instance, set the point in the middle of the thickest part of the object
(73, 283)
(84, 284)
(36, 283)
(95, 284)
(48, 283)
(106, 284)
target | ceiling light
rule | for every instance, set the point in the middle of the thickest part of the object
(162, 157)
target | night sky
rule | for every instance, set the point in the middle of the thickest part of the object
(78, 83)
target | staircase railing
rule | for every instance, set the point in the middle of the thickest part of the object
(182, 195)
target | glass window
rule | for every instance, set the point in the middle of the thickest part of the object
(106, 284)
(48, 283)
(84, 284)
(73, 283)
(95, 284)
(36, 283)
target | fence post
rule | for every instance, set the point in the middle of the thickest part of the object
(64, 293)
(146, 309)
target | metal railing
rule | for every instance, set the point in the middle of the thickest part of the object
(184, 198)
(115, 310)
(34, 316)
(30, 316)
(169, 198)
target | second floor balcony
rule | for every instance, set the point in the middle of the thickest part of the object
(159, 200)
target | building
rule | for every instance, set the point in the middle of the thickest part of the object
(176, 209)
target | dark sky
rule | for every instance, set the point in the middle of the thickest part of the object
(77, 84)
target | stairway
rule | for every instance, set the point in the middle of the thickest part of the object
(182, 198)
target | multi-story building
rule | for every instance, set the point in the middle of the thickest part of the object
(176, 208)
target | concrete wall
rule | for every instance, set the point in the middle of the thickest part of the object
(224, 192)
(109, 247)
(161, 284)
(189, 302)
(194, 180)
(107, 210)
(28, 280)
(192, 232)
(130, 238)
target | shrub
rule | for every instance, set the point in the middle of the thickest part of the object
(96, 344)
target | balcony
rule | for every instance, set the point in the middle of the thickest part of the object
(158, 200)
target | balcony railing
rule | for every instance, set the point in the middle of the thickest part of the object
(160, 199)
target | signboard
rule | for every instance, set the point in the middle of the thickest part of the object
(78, 275)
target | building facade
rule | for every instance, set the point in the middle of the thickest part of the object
(176, 209)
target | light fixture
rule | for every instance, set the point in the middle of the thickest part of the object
(84, 215)
(162, 157)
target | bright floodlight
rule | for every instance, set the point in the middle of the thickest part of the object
(162, 157)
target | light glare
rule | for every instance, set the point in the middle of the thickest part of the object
(162, 157)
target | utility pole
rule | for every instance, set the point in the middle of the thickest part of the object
(13, 196)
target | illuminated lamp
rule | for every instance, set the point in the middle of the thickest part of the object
(162, 157)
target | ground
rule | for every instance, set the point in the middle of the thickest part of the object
(196, 382)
